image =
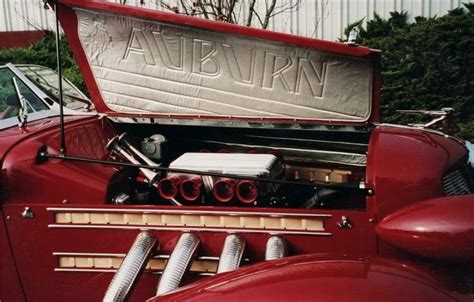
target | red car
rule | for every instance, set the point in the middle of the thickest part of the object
(224, 163)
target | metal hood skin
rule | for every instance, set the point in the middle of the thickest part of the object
(141, 63)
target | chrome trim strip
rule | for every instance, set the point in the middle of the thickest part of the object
(33, 116)
(85, 270)
(123, 255)
(39, 93)
(94, 262)
(207, 258)
(207, 274)
(93, 270)
(184, 229)
(183, 212)
(89, 254)
(265, 124)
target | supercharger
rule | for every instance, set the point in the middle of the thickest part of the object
(223, 189)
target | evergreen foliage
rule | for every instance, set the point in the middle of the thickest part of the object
(426, 65)
(44, 53)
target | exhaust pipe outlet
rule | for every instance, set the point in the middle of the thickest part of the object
(190, 188)
(131, 268)
(276, 248)
(247, 191)
(168, 187)
(231, 254)
(178, 263)
(223, 190)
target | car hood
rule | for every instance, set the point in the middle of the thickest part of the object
(142, 63)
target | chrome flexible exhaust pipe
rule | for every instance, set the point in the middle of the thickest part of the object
(131, 268)
(114, 145)
(276, 248)
(178, 263)
(231, 254)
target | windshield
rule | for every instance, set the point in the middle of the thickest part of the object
(9, 103)
(47, 80)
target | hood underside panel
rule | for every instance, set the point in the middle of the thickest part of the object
(158, 69)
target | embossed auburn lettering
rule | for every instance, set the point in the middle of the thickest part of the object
(170, 48)
(240, 65)
(204, 61)
(137, 44)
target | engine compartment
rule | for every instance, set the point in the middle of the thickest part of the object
(208, 166)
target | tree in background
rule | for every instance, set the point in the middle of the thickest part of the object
(425, 65)
(251, 12)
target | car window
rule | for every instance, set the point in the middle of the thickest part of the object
(47, 80)
(9, 103)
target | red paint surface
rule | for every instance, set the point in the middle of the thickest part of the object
(406, 165)
(25, 183)
(56, 180)
(20, 39)
(69, 23)
(320, 278)
(439, 228)
(11, 136)
(10, 286)
(40, 264)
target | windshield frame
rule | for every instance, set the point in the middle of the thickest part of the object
(53, 107)
(49, 88)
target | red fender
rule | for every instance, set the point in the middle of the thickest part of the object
(315, 278)
(440, 228)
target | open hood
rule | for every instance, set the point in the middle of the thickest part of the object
(142, 63)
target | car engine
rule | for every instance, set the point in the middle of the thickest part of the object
(224, 177)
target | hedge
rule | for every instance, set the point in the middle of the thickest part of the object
(44, 53)
(426, 65)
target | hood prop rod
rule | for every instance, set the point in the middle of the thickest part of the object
(60, 83)
(343, 187)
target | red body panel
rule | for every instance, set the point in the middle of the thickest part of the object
(406, 165)
(11, 136)
(10, 286)
(40, 264)
(84, 138)
(404, 172)
(320, 278)
(439, 228)
(87, 137)
(28, 183)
